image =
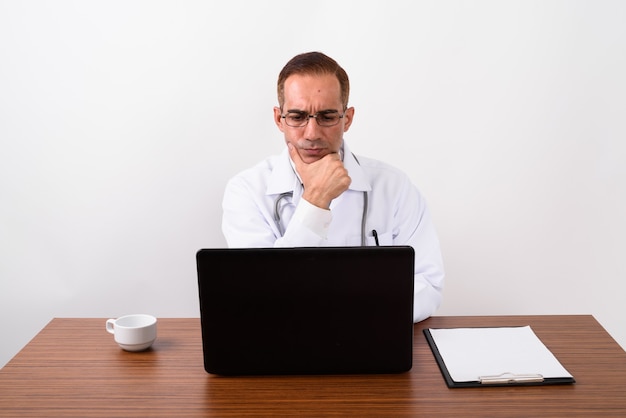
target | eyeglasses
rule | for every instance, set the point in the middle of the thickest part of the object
(298, 118)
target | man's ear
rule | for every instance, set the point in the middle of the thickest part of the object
(278, 120)
(347, 118)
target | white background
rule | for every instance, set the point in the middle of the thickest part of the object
(120, 122)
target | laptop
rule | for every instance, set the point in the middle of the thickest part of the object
(322, 310)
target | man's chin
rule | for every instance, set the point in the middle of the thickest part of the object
(311, 157)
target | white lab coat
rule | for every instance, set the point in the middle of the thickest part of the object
(395, 209)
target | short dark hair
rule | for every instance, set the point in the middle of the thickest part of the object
(313, 63)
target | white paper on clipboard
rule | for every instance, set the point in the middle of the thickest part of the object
(472, 353)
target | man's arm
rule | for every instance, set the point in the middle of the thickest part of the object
(417, 229)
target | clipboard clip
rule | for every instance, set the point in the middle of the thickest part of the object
(509, 377)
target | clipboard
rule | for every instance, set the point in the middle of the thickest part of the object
(494, 357)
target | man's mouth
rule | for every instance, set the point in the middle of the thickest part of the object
(313, 151)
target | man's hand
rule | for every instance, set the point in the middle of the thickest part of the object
(323, 180)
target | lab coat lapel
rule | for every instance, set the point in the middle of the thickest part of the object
(283, 178)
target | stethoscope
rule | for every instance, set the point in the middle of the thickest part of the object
(284, 195)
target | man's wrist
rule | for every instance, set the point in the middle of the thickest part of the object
(318, 201)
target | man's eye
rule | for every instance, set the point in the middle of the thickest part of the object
(328, 117)
(296, 117)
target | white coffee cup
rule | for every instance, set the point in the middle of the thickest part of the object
(133, 332)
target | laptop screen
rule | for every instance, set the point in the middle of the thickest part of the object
(322, 310)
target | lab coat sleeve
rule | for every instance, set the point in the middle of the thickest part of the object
(416, 229)
(308, 227)
(429, 272)
(248, 219)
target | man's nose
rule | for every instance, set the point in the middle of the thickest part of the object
(311, 130)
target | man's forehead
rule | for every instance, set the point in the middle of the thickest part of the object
(301, 88)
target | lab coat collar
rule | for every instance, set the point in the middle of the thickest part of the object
(360, 183)
(283, 178)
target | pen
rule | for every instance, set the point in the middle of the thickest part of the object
(375, 237)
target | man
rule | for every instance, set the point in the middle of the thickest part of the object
(317, 193)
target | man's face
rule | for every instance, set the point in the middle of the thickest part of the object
(307, 95)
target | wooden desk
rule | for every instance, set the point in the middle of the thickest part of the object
(73, 368)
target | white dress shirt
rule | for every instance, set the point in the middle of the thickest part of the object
(395, 210)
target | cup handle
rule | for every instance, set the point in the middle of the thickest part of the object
(111, 326)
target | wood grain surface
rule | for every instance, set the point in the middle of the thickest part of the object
(74, 368)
